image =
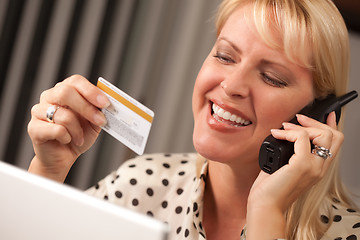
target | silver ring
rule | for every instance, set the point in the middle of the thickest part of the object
(50, 112)
(322, 152)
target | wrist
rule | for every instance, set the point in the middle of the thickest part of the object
(54, 173)
(265, 223)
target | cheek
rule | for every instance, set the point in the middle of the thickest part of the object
(207, 80)
(276, 110)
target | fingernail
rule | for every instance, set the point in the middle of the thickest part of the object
(275, 130)
(103, 101)
(300, 116)
(100, 119)
(287, 124)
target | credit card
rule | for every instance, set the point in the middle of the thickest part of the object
(128, 120)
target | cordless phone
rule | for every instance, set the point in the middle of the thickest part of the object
(275, 153)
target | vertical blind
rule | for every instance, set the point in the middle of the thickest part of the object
(151, 49)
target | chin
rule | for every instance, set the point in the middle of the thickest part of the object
(227, 153)
(211, 151)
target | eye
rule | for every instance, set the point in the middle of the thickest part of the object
(223, 58)
(273, 81)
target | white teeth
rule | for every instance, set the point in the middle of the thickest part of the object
(233, 118)
(228, 116)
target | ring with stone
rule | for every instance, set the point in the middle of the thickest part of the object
(321, 152)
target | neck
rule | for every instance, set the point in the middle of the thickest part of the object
(226, 194)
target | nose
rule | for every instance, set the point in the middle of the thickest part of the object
(236, 85)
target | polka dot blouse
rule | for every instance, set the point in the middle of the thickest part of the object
(170, 187)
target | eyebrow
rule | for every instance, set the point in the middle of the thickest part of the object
(270, 63)
(230, 43)
(264, 62)
(289, 75)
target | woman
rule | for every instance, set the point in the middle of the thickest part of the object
(271, 58)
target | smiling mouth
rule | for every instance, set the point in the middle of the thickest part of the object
(224, 116)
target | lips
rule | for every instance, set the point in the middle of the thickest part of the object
(224, 116)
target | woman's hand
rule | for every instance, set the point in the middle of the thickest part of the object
(76, 125)
(273, 194)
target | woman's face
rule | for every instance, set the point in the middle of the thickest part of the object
(243, 90)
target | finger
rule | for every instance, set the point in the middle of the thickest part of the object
(41, 132)
(325, 136)
(306, 121)
(331, 120)
(67, 96)
(298, 136)
(64, 117)
(90, 92)
(303, 159)
(316, 135)
(320, 137)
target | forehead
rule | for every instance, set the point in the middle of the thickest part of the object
(277, 30)
(241, 33)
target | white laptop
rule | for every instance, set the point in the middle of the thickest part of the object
(32, 207)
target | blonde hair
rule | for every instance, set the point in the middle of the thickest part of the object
(314, 28)
(309, 25)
